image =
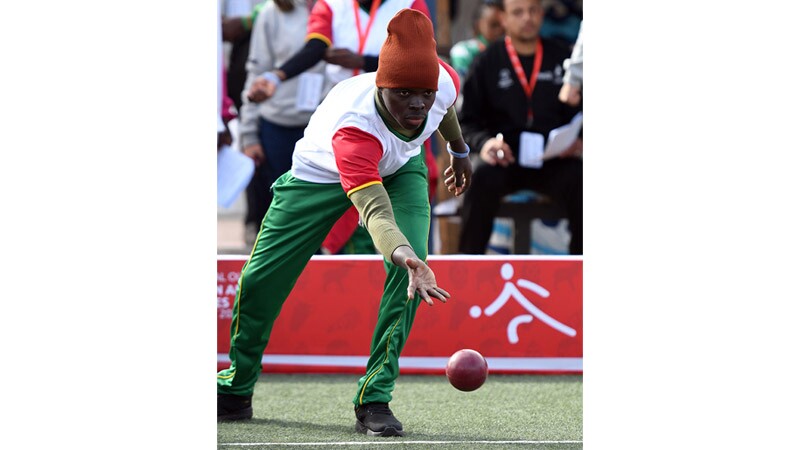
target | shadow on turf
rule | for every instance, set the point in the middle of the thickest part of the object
(300, 425)
(349, 429)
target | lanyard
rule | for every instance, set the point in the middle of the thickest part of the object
(362, 36)
(527, 85)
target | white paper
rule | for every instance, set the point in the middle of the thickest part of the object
(234, 171)
(448, 207)
(309, 91)
(563, 137)
(531, 149)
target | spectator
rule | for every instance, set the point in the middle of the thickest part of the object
(237, 26)
(512, 89)
(562, 20)
(487, 29)
(348, 35)
(362, 147)
(269, 130)
(572, 89)
(223, 133)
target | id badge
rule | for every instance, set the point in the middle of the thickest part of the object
(531, 150)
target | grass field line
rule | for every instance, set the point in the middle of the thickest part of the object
(300, 444)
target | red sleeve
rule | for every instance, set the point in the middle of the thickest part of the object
(421, 5)
(357, 156)
(453, 75)
(320, 23)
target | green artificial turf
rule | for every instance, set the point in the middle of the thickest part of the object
(544, 410)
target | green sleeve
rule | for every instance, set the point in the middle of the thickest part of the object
(449, 128)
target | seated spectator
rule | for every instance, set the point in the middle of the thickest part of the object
(512, 90)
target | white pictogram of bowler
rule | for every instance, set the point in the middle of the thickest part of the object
(510, 290)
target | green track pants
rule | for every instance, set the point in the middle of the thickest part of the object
(298, 220)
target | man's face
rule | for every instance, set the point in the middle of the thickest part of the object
(489, 24)
(409, 107)
(522, 19)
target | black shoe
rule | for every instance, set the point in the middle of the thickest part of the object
(376, 419)
(234, 407)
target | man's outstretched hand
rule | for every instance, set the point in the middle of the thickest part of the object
(421, 280)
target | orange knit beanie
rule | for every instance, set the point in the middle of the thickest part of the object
(408, 58)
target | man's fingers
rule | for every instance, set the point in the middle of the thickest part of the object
(458, 188)
(425, 296)
(435, 293)
(442, 291)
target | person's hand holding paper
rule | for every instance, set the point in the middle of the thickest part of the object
(573, 151)
(562, 140)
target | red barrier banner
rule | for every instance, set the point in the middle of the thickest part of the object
(524, 313)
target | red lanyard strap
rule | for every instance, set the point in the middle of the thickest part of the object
(527, 85)
(362, 35)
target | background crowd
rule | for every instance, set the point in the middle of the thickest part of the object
(520, 64)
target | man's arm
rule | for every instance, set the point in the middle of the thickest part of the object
(476, 107)
(459, 173)
(318, 39)
(357, 156)
(375, 208)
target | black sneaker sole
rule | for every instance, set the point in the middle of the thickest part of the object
(242, 414)
(387, 432)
